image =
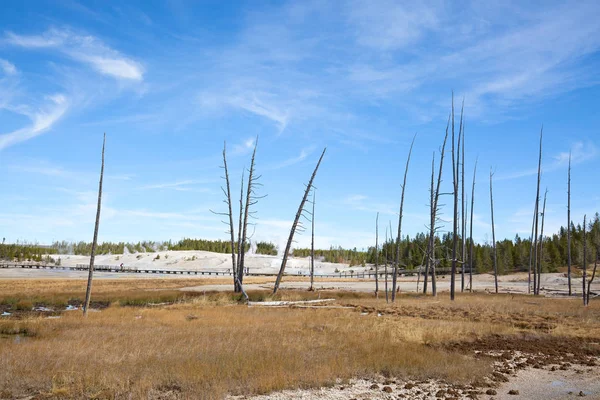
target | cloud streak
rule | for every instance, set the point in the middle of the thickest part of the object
(181, 186)
(42, 120)
(82, 48)
(7, 67)
(580, 153)
(304, 153)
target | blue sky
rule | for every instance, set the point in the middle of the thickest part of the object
(170, 81)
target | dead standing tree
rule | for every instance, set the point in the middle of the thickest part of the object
(471, 230)
(569, 227)
(312, 241)
(531, 249)
(539, 275)
(494, 235)
(429, 246)
(387, 300)
(251, 200)
(227, 192)
(584, 261)
(536, 218)
(434, 215)
(240, 245)
(455, 165)
(463, 214)
(295, 224)
(399, 237)
(88, 292)
(377, 256)
(589, 287)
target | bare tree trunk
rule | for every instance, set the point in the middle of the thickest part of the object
(539, 275)
(88, 292)
(431, 227)
(387, 300)
(569, 227)
(250, 201)
(377, 255)
(463, 215)
(455, 162)
(240, 245)
(589, 288)
(434, 213)
(295, 224)
(494, 235)
(471, 230)
(227, 193)
(531, 250)
(537, 208)
(312, 242)
(584, 260)
(399, 237)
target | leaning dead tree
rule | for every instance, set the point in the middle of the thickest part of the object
(88, 292)
(583, 294)
(569, 227)
(288, 246)
(399, 237)
(471, 230)
(455, 178)
(377, 255)
(312, 241)
(251, 200)
(536, 217)
(494, 235)
(229, 214)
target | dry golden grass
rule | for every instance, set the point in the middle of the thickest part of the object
(206, 351)
(209, 345)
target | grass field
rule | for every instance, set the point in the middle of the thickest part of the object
(209, 345)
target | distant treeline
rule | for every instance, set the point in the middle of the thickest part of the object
(513, 255)
(338, 255)
(25, 252)
(216, 246)
(85, 248)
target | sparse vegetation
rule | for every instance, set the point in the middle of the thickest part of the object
(267, 248)
(416, 330)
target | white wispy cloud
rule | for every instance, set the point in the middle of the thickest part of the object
(83, 48)
(390, 25)
(256, 106)
(499, 65)
(580, 153)
(48, 170)
(260, 104)
(42, 119)
(8, 67)
(291, 161)
(245, 147)
(360, 202)
(182, 186)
